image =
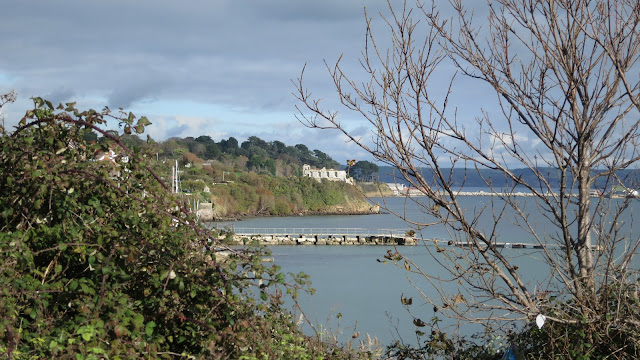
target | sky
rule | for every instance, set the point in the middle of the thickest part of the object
(219, 67)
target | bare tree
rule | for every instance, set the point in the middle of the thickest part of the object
(564, 73)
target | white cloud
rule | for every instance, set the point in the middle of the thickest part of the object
(219, 68)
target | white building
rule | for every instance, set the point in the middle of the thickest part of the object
(329, 174)
(397, 188)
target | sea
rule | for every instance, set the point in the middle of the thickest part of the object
(358, 292)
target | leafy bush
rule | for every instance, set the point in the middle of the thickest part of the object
(612, 334)
(100, 261)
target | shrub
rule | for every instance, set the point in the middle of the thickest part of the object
(99, 260)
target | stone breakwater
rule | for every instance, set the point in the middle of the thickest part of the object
(355, 240)
(324, 240)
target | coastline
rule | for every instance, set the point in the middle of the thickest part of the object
(418, 193)
(310, 213)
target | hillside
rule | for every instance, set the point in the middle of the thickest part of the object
(253, 155)
(373, 189)
(250, 194)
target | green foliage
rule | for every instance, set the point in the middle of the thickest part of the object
(273, 157)
(100, 261)
(611, 333)
(253, 193)
(364, 170)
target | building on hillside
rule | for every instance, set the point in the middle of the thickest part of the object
(114, 159)
(329, 174)
(621, 191)
(398, 188)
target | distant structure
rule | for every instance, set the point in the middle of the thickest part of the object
(398, 189)
(112, 158)
(329, 174)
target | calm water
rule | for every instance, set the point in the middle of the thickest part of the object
(353, 285)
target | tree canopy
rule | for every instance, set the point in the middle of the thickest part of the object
(363, 170)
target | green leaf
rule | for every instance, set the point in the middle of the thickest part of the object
(85, 288)
(138, 320)
(148, 329)
(130, 118)
(144, 121)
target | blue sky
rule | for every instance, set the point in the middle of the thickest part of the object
(220, 67)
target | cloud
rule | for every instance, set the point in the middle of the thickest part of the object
(60, 95)
(218, 51)
(176, 131)
(220, 68)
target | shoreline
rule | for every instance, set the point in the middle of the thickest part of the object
(411, 194)
(310, 213)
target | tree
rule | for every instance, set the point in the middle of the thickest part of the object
(303, 149)
(199, 149)
(99, 260)
(230, 145)
(254, 142)
(325, 160)
(564, 74)
(132, 141)
(363, 170)
(172, 147)
(204, 139)
(278, 146)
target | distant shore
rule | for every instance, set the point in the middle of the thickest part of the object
(418, 193)
(308, 213)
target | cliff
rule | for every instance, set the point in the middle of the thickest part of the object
(262, 195)
(374, 189)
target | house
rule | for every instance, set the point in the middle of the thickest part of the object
(329, 174)
(620, 191)
(397, 188)
(111, 157)
(116, 160)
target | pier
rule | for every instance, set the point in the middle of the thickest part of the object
(325, 236)
(351, 236)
